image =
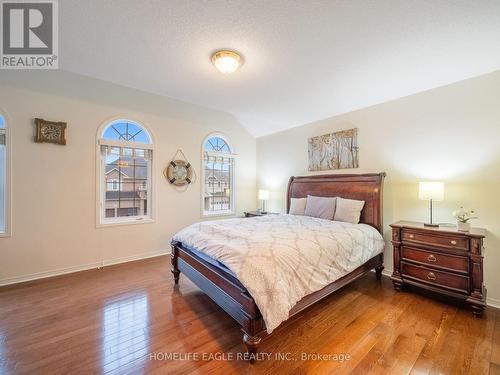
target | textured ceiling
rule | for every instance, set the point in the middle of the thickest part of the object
(304, 60)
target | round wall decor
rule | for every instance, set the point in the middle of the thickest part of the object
(179, 172)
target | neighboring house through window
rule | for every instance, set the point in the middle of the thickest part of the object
(113, 184)
(126, 157)
(218, 176)
(3, 176)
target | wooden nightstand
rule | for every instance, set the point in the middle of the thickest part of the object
(441, 260)
(258, 213)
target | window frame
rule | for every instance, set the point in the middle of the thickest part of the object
(8, 180)
(232, 155)
(101, 186)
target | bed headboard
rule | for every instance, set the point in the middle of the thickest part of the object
(365, 187)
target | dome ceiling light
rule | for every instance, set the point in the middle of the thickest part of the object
(226, 62)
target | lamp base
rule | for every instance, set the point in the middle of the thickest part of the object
(431, 225)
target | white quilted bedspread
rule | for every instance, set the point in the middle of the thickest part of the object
(282, 258)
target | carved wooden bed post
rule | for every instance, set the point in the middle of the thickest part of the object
(173, 259)
(251, 343)
(378, 271)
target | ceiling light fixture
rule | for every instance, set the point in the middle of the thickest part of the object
(226, 62)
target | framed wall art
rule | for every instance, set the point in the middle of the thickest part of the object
(50, 132)
(337, 150)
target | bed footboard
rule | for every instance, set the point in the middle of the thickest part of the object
(224, 289)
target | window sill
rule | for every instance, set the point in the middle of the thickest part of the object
(217, 214)
(5, 234)
(124, 222)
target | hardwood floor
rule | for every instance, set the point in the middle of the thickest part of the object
(129, 318)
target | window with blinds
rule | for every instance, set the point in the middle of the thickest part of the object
(218, 177)
(126, 163)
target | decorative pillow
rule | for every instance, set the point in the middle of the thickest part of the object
(322, 207)
(297, 206)
(348, 210)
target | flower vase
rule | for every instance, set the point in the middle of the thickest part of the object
(463, 227)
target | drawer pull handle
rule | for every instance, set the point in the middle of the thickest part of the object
(431, 276)
(431, 258)
(453, 242)
(411, 236)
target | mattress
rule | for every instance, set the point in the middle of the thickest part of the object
(210, 260)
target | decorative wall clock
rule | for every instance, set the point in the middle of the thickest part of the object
(50, 132)
(179, 172)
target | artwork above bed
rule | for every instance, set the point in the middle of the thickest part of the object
(337, 150)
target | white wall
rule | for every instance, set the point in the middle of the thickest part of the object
(2, 187)
(53, 200)
(450, 134)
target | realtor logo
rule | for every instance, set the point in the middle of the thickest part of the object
(29, 34)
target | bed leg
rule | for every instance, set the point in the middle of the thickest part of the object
(173, 259)
(251, 343)
(378, 271)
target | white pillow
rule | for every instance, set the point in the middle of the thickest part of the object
(348, 210)
(322, 207)
(297, 206)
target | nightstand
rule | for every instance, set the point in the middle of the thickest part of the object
(440, 259)
(258, 213)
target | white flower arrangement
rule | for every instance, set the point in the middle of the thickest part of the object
(463, 216)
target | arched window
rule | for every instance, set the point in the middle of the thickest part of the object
(125, 188)
(3, 177)
(218, 176)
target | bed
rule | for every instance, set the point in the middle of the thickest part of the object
(214, 277)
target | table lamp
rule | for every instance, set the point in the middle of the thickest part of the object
(263, 196)
(431, 191)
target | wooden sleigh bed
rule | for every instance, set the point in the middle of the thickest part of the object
(225, 289)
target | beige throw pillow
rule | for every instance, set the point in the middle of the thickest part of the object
(348, 210)
(322, 207)
(297, 206)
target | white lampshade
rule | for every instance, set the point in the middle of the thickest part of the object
(263, 194)
(431, 190)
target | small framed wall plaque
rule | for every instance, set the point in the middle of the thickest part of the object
(50, 132)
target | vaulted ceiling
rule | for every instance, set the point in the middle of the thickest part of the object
(304, 60)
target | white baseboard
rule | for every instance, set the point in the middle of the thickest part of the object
(493, 302)
(83, 267)
(386, 272)
(151, 254)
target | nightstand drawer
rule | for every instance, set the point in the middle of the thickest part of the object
(447, 241)
(448, 262)
(438, 278)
